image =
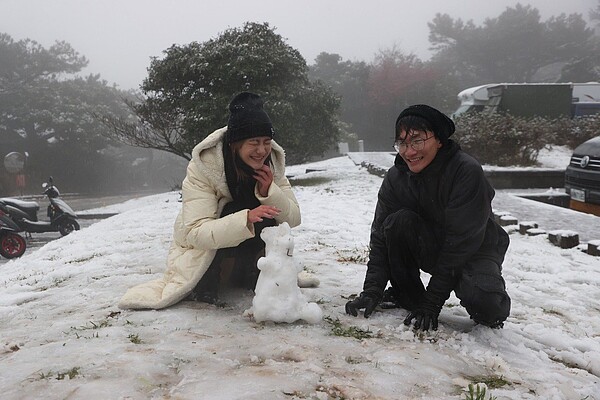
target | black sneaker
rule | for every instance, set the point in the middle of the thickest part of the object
(493, 325)
(205, 296)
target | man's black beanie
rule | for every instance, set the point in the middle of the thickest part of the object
(443, 127)
(247, 119)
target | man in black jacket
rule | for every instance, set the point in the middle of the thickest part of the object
(434, 214)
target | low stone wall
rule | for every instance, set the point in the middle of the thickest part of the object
(526, 178)
(507, 179)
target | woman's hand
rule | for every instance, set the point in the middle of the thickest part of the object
(257, 214)
(264, 178)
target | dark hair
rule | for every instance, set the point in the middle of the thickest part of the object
(242, 171)
(412, 123)
(441, 126)
(236, 170)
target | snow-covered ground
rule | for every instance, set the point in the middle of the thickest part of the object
(62, 335)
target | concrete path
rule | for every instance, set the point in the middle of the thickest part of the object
(79, 205)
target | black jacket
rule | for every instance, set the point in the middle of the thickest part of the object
(454, 198)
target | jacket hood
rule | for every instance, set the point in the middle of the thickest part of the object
(208, 155)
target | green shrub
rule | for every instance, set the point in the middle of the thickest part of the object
(506, 140)
(577, 130)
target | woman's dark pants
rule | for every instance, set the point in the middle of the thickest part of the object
(245, 272)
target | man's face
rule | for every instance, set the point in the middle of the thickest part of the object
(417, 149)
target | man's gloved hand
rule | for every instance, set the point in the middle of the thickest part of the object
(425, 315)
(363, 301)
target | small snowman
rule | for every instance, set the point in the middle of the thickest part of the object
(277, 295)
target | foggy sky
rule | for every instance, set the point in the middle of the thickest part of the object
(120, 36)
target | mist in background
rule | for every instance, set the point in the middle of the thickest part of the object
(120, 37)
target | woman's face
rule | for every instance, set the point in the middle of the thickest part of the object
(254, 151)
(420, 149)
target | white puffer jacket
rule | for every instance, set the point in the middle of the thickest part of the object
(198, 230)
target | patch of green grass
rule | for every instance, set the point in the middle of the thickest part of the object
(55, 283)
(135, 339)
(71, 374)
(337, 329)
(83, 259)
(491, 381)
(94, 335)
(46, 375)
(354, 360)
(91, 325)
(356, 255)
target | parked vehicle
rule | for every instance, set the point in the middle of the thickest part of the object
(532, 99)
(12, 244)
(582, 177)
(62, 217)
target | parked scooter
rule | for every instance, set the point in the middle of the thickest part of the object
(12, 244)
(24, 213)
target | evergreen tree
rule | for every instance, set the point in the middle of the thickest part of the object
(186, 94)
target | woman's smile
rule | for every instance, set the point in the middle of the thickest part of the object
(254, 151)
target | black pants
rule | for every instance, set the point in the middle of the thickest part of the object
(412, 247)
(244, 272)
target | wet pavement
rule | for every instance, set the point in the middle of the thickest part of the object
(79, 204)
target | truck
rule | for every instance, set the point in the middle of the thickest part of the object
(532, 99)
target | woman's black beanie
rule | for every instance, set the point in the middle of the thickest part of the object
(443, 127)
(247, 119)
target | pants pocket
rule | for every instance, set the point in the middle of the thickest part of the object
(484, 296)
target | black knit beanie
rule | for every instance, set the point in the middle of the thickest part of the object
(443, 127)
(247, 119)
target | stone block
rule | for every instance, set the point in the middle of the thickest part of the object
(525, 226)
(498, 215)
(535, 232)
(564, 239)
(507, 220)
(593, 248)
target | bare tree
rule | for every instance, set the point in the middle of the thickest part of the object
(153, 131)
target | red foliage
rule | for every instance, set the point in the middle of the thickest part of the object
(395, 76)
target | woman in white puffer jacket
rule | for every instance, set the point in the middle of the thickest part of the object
(234, 187)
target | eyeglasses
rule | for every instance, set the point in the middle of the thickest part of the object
(416, 144)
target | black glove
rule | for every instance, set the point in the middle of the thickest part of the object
(426, 314)
(363, 301)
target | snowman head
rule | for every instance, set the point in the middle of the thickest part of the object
(278, 240)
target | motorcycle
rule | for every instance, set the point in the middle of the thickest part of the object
(24, 213)
(12, 245)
